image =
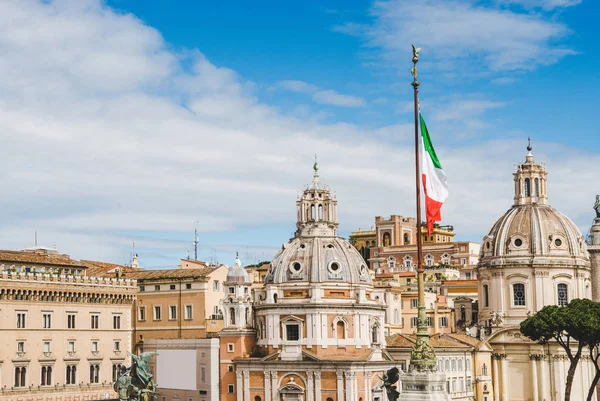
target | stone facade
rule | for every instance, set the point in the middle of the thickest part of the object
(63, 335)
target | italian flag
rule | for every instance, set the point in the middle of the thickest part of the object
(435, 182)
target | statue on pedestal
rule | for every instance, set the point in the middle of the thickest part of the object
(597, 206)
(389, 379)
(135, 383)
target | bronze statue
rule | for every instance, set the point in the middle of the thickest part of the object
(135, 383)
(389, 379)
(597, 206)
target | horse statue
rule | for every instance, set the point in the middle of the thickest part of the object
(135, 383)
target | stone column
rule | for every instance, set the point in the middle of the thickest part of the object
(239, 386)
(267, 386)
(367, 386)
(543, 369)
(594, 251)
(559, 376)
(274, 392)
(309, 385)
(246, 385)
(503, 376)
(355, 385)
(349, 395)
(534, 377)
(340, 386)
(317, 386)
(496, 380)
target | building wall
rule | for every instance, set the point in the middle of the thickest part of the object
(201, 381)
(35, 295)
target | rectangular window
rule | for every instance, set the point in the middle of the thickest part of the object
(95, 321)
(468, 275)
(46, 346)
(157, 288)
(429, 321)
(443, 321)
(20, 320)
(142, 313)
(215, 286)
(116, 322)
(94, 346)
(230, 389)
(188, 286)
(230, 368)
(413, 322)
(70, 321)
(188, 312)
(486, 296)
(71, 346)
(203, 374)
(20, 346)
(172, 287)
(157, 315)
(292, 332)
(142, 288)
(117, 346)
(463, 261)
(46, 321)
(414, 303)
(231, 290)
(519, 294)
(172, 312)
(230, 347)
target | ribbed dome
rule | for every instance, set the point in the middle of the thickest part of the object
(237, 274)
(318, 259)
(536, 233)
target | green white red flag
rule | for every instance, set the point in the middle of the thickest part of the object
(435, 184)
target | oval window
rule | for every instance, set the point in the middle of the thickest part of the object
(518, 242)
(335, 267)
(296, 266)
(558, 242)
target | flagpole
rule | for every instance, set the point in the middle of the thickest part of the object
(422, 356)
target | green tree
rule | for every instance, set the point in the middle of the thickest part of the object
(574, 327)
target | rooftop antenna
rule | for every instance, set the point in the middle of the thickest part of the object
(196, 241)
(35, 240)
(187, 254)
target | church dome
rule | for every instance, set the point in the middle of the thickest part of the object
(316, 254)
(318, 260)
(533, 232)
(237, 274)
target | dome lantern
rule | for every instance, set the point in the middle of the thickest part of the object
(531, 181)
(316, 210)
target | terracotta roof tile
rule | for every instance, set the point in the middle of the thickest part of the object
(37, 258)
(169, 274)
(436, 341)
(100, 269)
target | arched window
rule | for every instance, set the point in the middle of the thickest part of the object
(274, 298)
(375, 334)
(406, 239)
(231, 316)
(312, 212)
(429, 260)
(446, 258)
(519, 294)
(387, 239)
(391, 263)
(536, 187)
(527, 187)
(247, 316)
(408, 262)
(340, 329)
(46, 375)
(257, 398)
(460, 365)
(468, 363)
(463, 313)
(20, 376)
(562, 292)
(447, 364)
(329, 399)
(320, 212)
(396, 316)
(454, 364)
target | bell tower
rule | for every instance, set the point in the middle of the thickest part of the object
(316, 210)
(531, 181)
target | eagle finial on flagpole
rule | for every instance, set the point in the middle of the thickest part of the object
(415, 60)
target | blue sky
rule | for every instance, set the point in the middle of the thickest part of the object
(130, 120)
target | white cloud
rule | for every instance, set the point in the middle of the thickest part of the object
(460, 36)
(106, 138)
(336, 99)
(544, 4)
(329, 96)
